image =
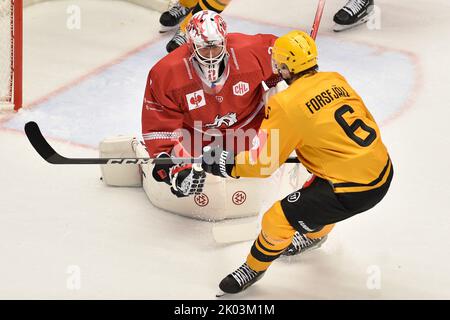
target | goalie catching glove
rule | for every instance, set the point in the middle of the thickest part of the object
(217, 161)
(184, 179)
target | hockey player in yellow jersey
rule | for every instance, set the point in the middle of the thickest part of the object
(179, 15)
(322, 119)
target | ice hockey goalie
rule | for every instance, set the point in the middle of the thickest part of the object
(208, 91)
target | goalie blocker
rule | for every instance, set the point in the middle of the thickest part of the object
(220, 199)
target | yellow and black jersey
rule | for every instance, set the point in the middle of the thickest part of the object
(199, 5)
(327, 124)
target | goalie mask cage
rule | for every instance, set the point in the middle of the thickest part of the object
(11, 54)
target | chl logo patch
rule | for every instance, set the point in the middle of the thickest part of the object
(241, 88)
(293, 197)
(196, 100)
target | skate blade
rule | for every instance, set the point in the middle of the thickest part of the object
(164, 29)
(318, 245)
(341, 27)
(220, 294)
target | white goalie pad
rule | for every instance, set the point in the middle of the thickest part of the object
(223, 198)
(288, 178)
(126, 175)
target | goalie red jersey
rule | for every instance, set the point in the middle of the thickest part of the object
(211, 98)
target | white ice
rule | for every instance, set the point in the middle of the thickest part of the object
(83, 85)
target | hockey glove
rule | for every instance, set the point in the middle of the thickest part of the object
(184, 179)
(217, 161)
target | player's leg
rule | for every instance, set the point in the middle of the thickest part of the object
(274, 238)
(302, 243)
(180, 36)
(279, 225)
(178, 10)
(311, 211)
(306, 240)
(355, 12)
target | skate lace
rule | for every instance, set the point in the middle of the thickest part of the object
(301, 241)
(179, 37)
(244, 274)
(177, 10)
(354, 6)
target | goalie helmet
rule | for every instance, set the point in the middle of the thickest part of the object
(295, 52)
(206, 35)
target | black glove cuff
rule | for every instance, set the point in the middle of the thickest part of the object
(161, 172)
(226, 164)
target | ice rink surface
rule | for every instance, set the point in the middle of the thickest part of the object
(83, 85)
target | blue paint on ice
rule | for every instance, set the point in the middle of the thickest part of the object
(109, 103)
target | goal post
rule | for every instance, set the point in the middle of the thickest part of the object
(11, 36)
(11, 47)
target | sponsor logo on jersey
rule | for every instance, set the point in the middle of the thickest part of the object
(241, 88)
(219, 99)
(293, 197)
(227, 120)
(196, 100)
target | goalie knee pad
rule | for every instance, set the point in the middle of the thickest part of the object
(120, 175)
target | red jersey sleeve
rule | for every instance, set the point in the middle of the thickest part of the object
(161, 116)
(264, 56)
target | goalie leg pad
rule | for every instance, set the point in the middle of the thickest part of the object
(127, 175)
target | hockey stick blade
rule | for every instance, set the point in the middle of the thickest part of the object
(41, 145)
(49, 154)
(235, 231)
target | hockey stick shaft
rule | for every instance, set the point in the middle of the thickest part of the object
(317, 19)
(49, 154)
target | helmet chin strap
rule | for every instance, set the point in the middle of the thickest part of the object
(203, 71)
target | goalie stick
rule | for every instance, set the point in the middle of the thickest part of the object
(230, 231)
(49, 154)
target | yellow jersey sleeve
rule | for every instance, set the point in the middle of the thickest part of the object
(332, 132)
(277, 138)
